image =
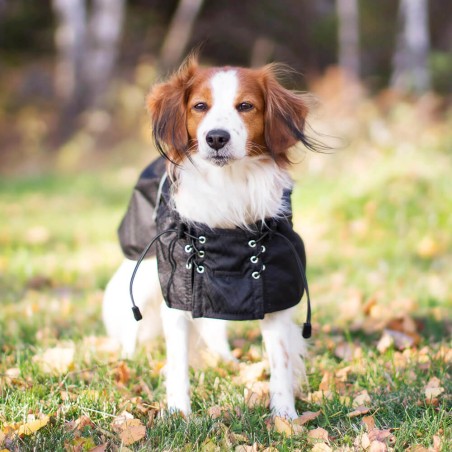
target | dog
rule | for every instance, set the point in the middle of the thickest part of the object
(224, 189)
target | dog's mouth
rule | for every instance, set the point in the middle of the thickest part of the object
(219, 160)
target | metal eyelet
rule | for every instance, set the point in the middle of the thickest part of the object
(252, 243)
(263, 249)
(188, 248)
(256, 275)
(202, 239)
(254, 259)
(200, 269)
(201, 253)
(263, 268)
(188, 266)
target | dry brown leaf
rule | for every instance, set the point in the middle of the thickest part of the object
(214, 412)
(245, 448)
(306, 417)
(321, 447)
(417, 448)
(362, 398)
(377, 446)
(258, 394)
(100, 448)
(437, 443)
(250, 373)
(283, 426)
(358, 411)
(132, 433)
(345, 351)
(82, 422)
(381, 435)
(318, 433)
(318, 396)
(122, 373)
(433, 388)
(32, 427)
(386, 342)
(56, 360)
(118, 422)
(369, 422)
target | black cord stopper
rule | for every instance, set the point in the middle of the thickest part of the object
(307, 330)
(137, 313)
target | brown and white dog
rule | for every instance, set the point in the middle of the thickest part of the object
(226, 132)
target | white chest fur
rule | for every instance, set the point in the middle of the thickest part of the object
(238, 194)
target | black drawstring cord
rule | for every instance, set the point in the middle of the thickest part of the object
(307, 328)
(135, 308)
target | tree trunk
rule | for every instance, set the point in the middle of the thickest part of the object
(348, 38)
(410, 63)
(179, 33)
(104, 32)
(87, 53)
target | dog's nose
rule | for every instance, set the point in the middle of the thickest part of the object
(217, 138)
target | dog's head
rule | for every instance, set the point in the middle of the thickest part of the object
(226, 114)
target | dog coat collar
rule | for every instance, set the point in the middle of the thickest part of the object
(231, 274)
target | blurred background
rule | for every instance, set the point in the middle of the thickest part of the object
(375, 212)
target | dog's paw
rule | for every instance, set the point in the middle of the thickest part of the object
(285, 412)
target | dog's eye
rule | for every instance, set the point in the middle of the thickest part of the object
(200, 106)
(244, 106)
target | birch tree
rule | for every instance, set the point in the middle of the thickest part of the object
(87, 47)
(348, 36)
(410, 62)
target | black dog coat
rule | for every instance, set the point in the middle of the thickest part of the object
(231, 274)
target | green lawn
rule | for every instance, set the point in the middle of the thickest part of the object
(377, 222)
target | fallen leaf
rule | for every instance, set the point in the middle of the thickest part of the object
(306, 417)
(214, 412)
(32, 427)
(122, 373)
(437, 443)
(361, 399)
(318, 433)
(82, 422)
(377, 446)
(402, 340)
(358, 411)
(432, 393)
(369, 422)
(321, 447)
(258, 394)
(283, 426)
(56, 360)
(250, 373)
(386, 342)
(381, 435)
(118, 422)
(100, 448)
(132, 433)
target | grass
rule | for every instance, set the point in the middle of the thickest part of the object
(377, 228)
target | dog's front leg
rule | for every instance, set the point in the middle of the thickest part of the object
(176, 326)
(276, 329)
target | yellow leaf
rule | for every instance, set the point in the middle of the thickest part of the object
(32, 427)
(283, 426)
(133, 433)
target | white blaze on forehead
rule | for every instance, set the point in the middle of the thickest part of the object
(223, 115)
(224, 89)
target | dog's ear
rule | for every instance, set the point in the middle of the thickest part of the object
(285, 116)
(167, 107)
